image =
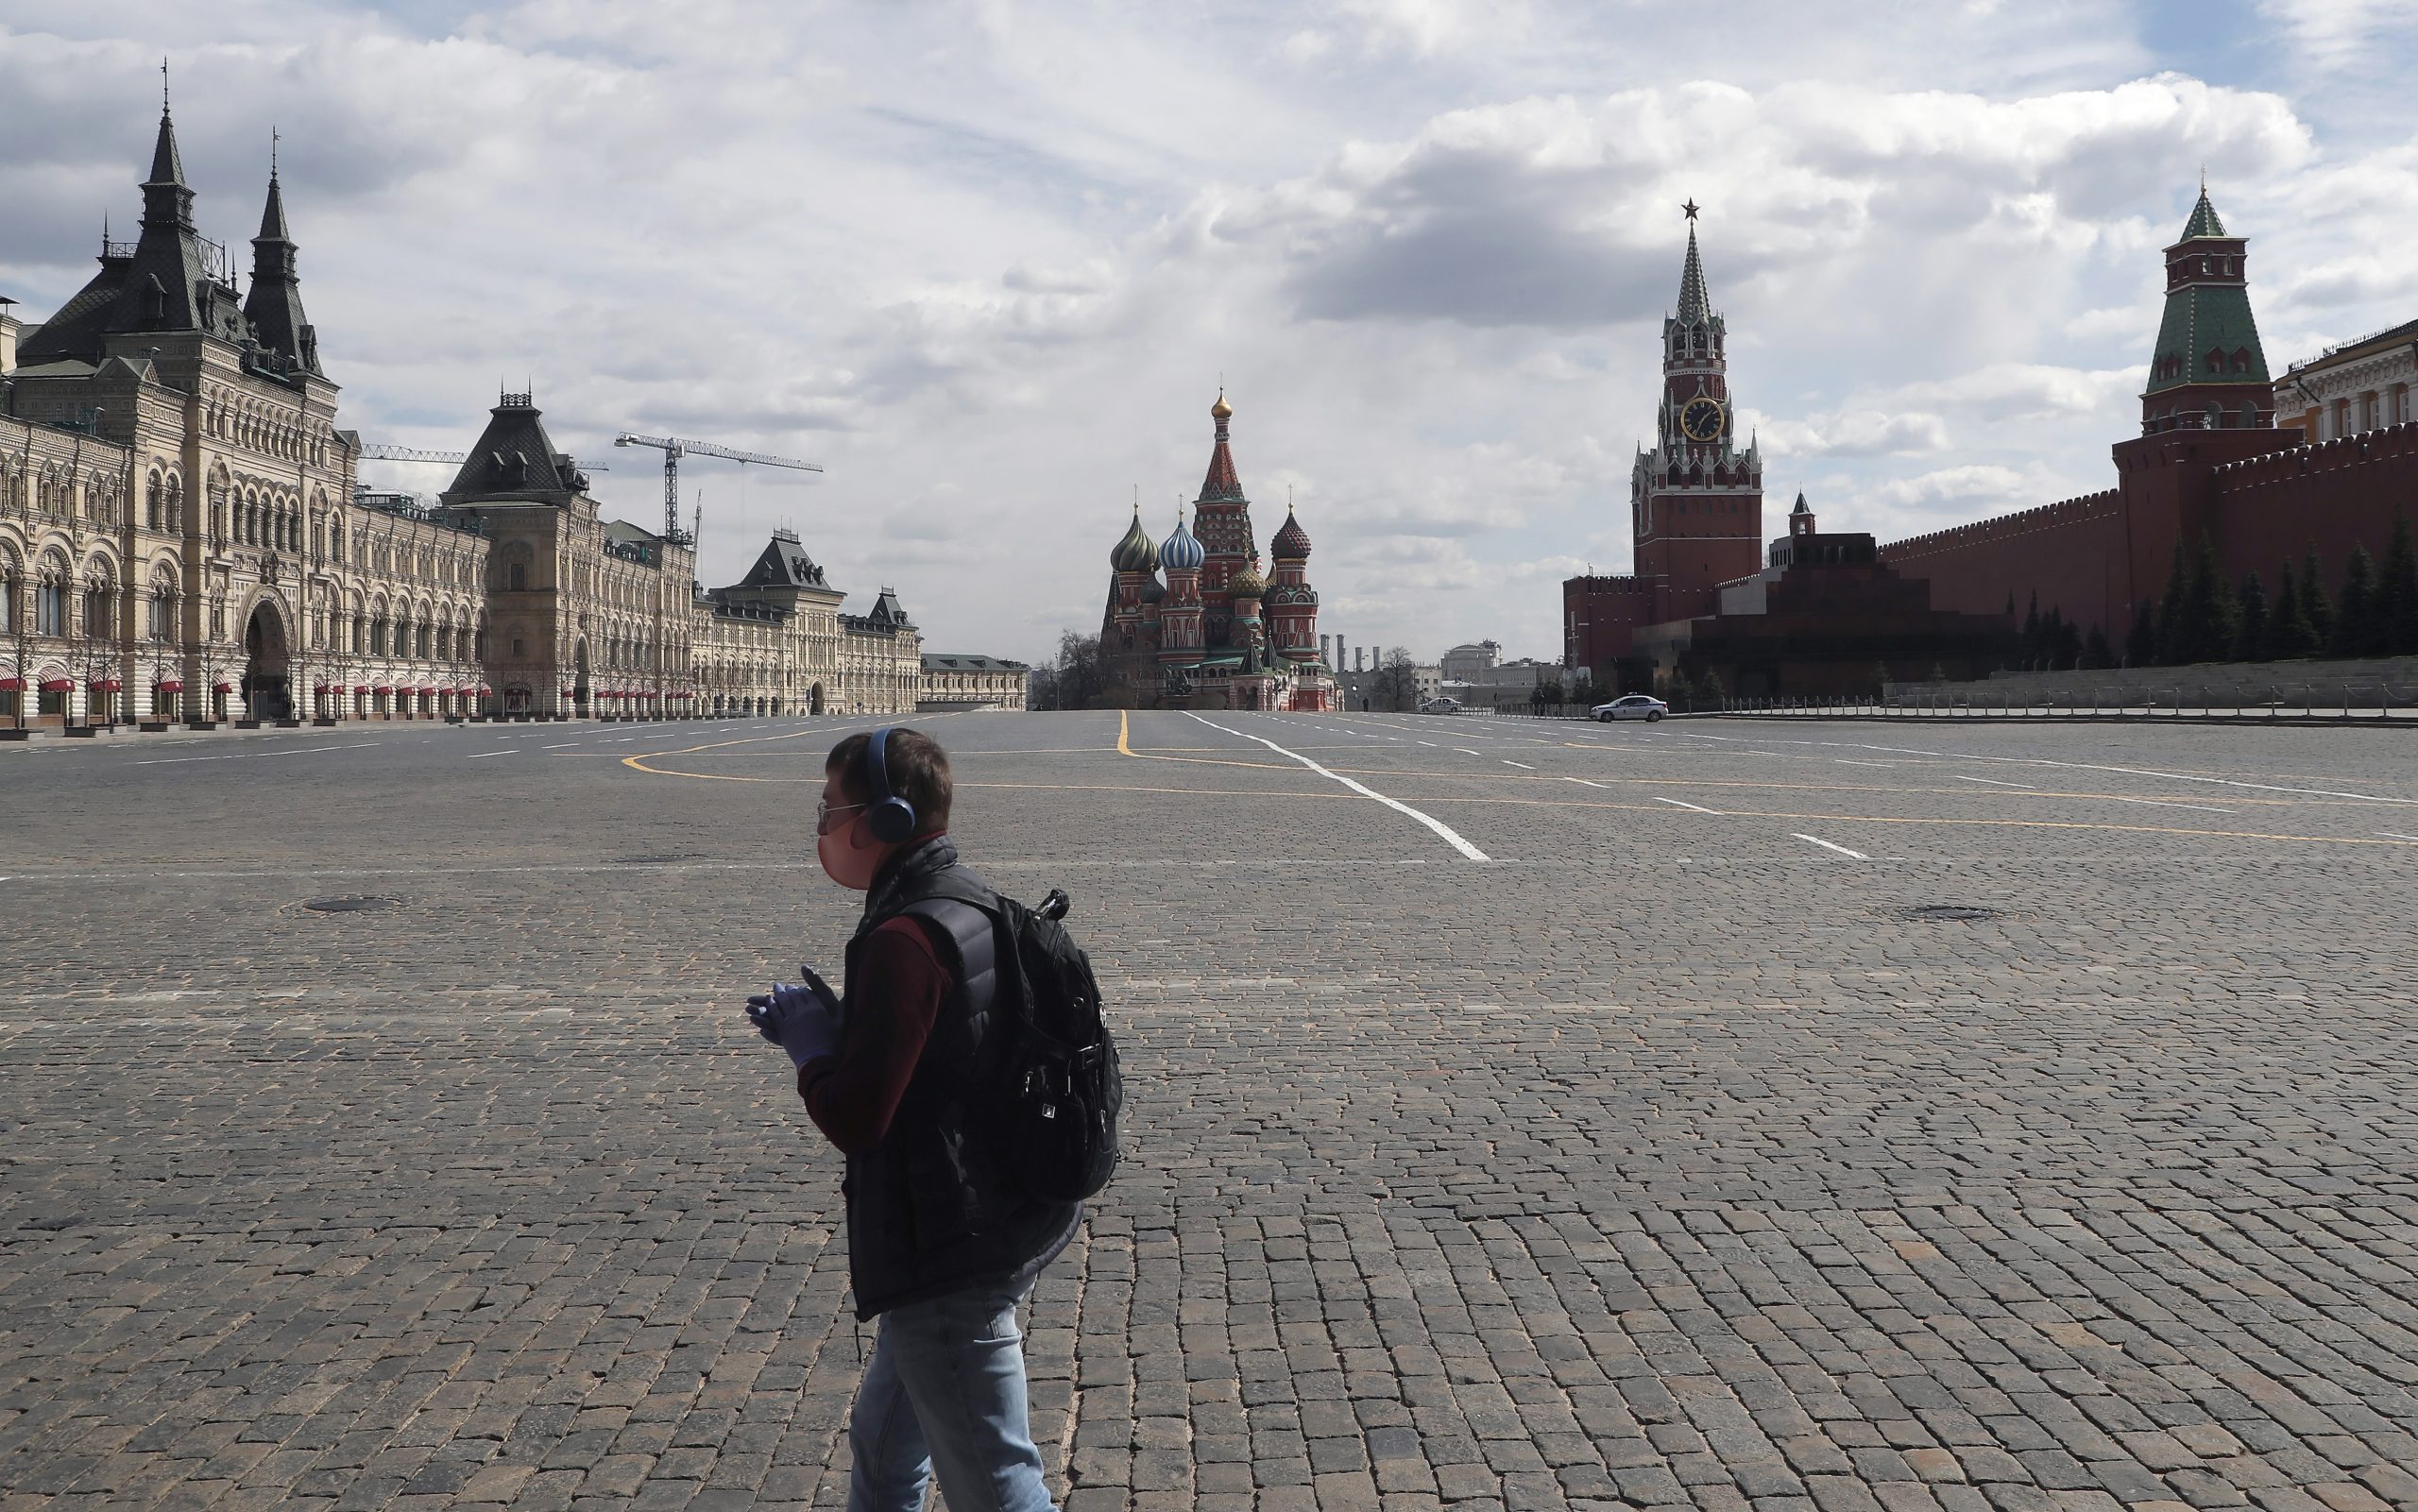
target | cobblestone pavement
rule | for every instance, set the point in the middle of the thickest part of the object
(1669, 1155)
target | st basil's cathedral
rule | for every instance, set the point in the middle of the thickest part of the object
(1216, 633)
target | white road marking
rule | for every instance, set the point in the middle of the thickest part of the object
(1446, 832)
(1996, 783)
(1522, 765)
(2078, 766)
(564, 746)
(1815, 840)
(1466, 751)
(2386, 833)
(1676, 804)
(508, 751)
(1845, 762)
(2165, 803)
(1430, 745)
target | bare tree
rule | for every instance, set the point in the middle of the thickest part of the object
(1077, 680)
(1397, 681)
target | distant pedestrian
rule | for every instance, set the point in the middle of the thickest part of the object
(943, 1243)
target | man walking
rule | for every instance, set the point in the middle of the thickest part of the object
(942, 1243)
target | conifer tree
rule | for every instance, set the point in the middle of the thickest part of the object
(2213, 615)
(2288, 633)
(2354, 616)
(2031, 647)
(2173, 626)
(2140, 642)
(2397, 592)
(2096, 651)
(2250, 641)
(2317, 605)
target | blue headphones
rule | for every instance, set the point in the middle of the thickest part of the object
(893, 817)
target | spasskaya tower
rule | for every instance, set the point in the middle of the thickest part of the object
(1696, 500)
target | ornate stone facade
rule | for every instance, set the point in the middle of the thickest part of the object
(182, 537)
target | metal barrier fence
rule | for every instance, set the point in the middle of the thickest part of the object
(2376, 703)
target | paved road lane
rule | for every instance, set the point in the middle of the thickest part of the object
(1663, 1158)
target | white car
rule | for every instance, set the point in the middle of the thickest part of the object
(1440, 705)
(1634, 706)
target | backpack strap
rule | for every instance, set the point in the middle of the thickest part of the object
(976, 940)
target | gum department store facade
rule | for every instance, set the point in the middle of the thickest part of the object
(181, 538)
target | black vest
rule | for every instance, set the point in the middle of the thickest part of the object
(930, 1211)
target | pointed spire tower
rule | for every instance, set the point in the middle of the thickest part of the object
(2209, 371)
(167, 200)
(1221, 520)
(274, 304)
(1696, 500)
(171, 280)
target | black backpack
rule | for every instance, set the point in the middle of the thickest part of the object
(1056, 1092)
(1060, 1091)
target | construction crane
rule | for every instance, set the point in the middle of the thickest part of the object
(384, 453)
(674, 448)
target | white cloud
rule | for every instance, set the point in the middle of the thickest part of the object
(1853, 434)
(988, 261)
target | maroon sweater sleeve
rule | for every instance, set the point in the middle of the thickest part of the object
(894, 997)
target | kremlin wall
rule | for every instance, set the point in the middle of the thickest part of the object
(2211, 461)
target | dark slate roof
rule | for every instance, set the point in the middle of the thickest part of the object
(783, 563)
(514, 459)
(958, 662)
(886, 608)
(169, 281)
(274, 304)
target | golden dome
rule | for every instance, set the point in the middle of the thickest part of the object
(1222, 410)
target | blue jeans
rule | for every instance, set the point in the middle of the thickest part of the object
(945, 1394)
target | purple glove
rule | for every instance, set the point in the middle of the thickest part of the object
(803, 1020)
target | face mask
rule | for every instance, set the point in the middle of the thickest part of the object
(845, 862)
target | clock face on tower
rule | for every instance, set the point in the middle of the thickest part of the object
(1700, 417)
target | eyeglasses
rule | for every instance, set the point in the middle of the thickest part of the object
(824, 808)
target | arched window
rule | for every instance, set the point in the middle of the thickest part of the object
(50, 600)
(518, 581)
(2216, 361)
(100, 621)
(7, 593)
(2242, 359)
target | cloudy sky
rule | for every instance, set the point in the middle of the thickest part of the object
(987, 261)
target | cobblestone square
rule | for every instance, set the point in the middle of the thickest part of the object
(1815, 1116)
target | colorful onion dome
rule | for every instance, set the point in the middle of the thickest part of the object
(1247, 584)
(1222, 410)
(1181, 552)
(1292, 543)
(1136, 552)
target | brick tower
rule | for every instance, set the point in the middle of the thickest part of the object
(1697, 501)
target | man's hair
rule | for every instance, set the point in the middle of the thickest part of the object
(918, 770)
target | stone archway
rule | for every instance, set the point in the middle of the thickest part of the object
(267, 693)
(579, 691)
(814, 701)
